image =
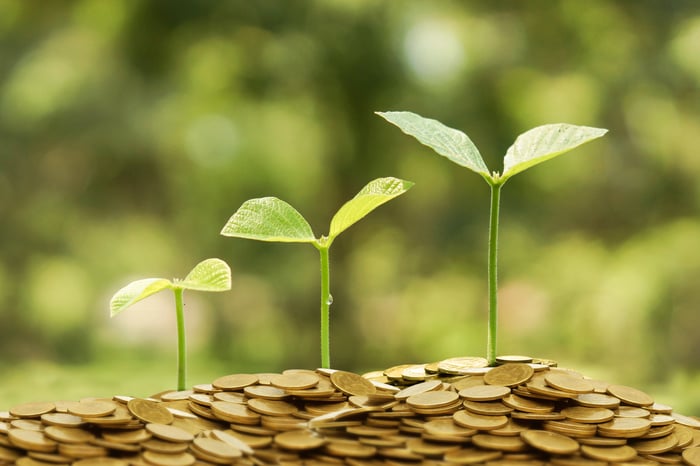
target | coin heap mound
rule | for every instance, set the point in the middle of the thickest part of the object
(457, 411)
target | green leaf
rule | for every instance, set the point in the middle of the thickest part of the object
(446, 141)
(545, 142)
(208, 275)
(136, 291)
(374, 194)
(269, 219)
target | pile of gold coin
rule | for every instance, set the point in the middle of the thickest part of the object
(523, 412)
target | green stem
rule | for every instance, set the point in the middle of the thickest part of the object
(325, 307)
(493, 273)
(181, 344)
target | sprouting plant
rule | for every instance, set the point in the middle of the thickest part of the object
(208, 275)
(271, 219)
(530, 148)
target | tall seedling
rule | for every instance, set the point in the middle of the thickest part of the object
(271, 219)
(208, 275)
(530, 148)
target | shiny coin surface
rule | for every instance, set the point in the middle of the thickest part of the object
(299, 440)
(479, 421)
(461, 366)
(89, 409)
(692, 456)
(352, 384)
(235, 382)
(509, 375)
(432, 399)
(484, 392)
(567, 382)
(610, 454)
(550, 442)
(32, 410)
(588, 415)
(169, 432)
(149, 411)
(630, 395)
(514, 358)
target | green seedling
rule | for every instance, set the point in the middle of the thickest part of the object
(208, 275)
(271, 219)
(529, 149)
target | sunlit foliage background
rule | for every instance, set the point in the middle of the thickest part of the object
(131, 130)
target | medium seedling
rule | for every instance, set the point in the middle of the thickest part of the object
(530, 148)
(208, 275)
(271, 219)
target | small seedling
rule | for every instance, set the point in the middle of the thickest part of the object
(208, 275)
(271, 219)
(530, 148)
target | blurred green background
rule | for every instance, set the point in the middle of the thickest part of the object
(131, 130)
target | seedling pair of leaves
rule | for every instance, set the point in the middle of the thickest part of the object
(529, 149)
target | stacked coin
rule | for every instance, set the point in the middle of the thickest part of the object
(459, 411)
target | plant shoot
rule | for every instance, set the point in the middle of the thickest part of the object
(529, 149)
(273, 220)
(208, 275)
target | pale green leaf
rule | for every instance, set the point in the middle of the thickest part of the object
(545, 142)
(208, 275)
(136, 291)
(269, 219)
(446, 141)
(374, 194)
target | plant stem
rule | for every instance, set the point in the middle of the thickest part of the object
(493, 273)
(325, 307)
(181, 344)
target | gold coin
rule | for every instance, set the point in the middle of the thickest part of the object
(295, 380)
(352, 384)
(692, 456)
(234, 382)
(350, 449)
(528, 405)
(433, 399)
(62, 419)
(230, 437)
(149, 411)
(567, 382)
(512, 428)
(266, 391)
(611, 454)
(624, 427)
(479, 421)
(31, 410)
(100, 461)
(427, 448)
(427, 386)
(588, 415)
(165, 459)
(299, 440)
(446, 427)
(571, 429)
(169, 432)
(602, 441)
(631, 411)
(68, 434)
(499, 442)
(127, 436)
(630, 395)
(686, 420)
(484, 392)
(234, 412)
(9, 455)
(514, 358)
(656, 446)
(92, 408)
(597, 400)
(32, 440)
(216, 448)
(539, 388)
(550, 442)
(509, 375)
(462, 365)
(164, 446)
(468, 455)
(490, 408)
(272, 407)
